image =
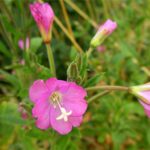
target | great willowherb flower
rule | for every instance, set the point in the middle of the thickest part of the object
(43, 15)
(57, 104)
(24, 44)
(103, 32)
(143, 93)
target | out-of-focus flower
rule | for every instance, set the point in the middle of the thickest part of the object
(103, 32)
(101, 48)
(24, 44)
(143, 93)
(57, 104)
(22, 111)
(22, 62)
(43, 15)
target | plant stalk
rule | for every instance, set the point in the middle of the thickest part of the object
(81, 13)
(98, 96)
(108, 87)
(51, 60)
(68, 35)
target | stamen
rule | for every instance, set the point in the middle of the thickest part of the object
(64, 114)
(55, 99)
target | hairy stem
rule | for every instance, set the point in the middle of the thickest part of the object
(108, 87)
(51, 60)
(66, 16)
(81, 13)
(98, 96)
(68, 34)
(89, 51)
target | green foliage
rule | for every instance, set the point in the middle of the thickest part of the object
(115, 121)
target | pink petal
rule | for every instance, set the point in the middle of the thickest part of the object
(27, 43)
(75, 121)
(147, 112)
(73, 91)
(145, 94)
(51, 84)
(146, 106)
(40, 107)
(38, 91)
(43, 14)
(109, 26)
(21, 44)
(59, 125)
(43, 122)
(78, 108)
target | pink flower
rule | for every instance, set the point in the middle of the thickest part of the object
(103, 32)
(22, 62)
(22, 45)
(57, 104)
(43, 15)
(101, 48)
(143, 93)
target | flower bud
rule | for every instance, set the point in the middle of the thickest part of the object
(101, 48)
(23, 112)
(103, 32)
(143, 93)
(43, 15)
(24, 44)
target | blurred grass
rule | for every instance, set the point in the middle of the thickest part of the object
(115, 121)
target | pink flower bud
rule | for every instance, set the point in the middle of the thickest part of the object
(103, 32)
(24, 44)
(143, 93)
(43, 15)
(101, 48)
(22, 62)
(23, 112)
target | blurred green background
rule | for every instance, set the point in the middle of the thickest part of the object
(113, 122)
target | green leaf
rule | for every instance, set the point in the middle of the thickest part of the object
(83, 67)
(72, 72)
(12, 79)
(43, 72)
(93, 81)
(4, 50)
(36, 42)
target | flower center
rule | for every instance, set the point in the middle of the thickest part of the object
(55, 99)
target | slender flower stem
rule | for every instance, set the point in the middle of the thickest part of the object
(51, 60)
(81, 13)
(89, 51)
(89, 7)
(108, 87)
(143, 68)
(66, 17)
(105, 8)
(146, 70)
(55, 32)
(68, 34)
(98, 96)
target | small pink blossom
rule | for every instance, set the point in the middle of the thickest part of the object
(22, 45)
(57, 104)
(108, 27)
(103, 32)
(101, 48)
(43, 15)
(143, 93)
(22, 62)
(23, 112)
